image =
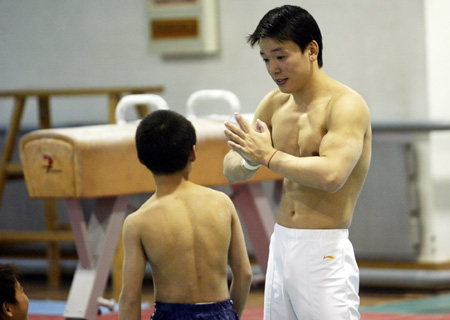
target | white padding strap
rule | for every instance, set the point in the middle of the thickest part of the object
(249, 166)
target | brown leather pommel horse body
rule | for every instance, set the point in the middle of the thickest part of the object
(100, 162)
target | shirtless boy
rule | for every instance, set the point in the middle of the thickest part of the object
(188, 233)
(14, 302)
(315, 132)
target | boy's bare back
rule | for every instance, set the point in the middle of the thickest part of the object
(187, 234)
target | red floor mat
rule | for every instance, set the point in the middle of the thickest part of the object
(384, 316)
(250, 313)
(254, 313)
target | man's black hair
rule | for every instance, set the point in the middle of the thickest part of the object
(289, 23)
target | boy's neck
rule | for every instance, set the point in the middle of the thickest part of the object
(167, 183)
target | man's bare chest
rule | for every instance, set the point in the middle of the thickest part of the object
(299, 134)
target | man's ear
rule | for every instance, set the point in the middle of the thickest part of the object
(7, 310)
(193, 155)
(313, 50)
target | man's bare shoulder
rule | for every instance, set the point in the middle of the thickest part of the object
(347, 99)
(348, 109)
(275, 98)
(273, 101)
(345, 94)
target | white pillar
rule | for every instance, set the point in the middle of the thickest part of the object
(435, 164)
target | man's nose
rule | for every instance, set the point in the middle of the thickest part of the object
(273, 67)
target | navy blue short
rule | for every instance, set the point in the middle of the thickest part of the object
(184, 311)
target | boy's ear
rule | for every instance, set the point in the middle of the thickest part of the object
(6, 309)
(193, 155)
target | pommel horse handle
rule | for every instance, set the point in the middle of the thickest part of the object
(132, 100)
(214, 94)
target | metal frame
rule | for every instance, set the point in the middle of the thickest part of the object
(96, 245)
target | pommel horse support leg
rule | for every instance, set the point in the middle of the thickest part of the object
(256, 213)
(96, 245)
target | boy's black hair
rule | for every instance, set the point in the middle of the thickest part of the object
(164, 141)
(8, 281)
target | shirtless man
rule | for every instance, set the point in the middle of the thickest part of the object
(315, 132)
(188, 233)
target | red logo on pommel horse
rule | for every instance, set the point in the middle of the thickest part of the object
(49, 166)
(49, 161)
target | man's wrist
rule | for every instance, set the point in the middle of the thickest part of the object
(270, 159)
(248, 166)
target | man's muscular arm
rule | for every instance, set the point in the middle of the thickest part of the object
(233, 166)
(339, 149)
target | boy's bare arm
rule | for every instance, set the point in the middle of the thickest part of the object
(133, 272)
(240, 265)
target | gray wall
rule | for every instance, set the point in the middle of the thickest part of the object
(376, 47)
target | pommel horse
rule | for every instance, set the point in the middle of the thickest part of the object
(101, 162)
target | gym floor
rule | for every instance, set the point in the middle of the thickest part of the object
(37, 288)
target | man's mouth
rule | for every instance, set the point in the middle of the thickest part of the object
(280, 82)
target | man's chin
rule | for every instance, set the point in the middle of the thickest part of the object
(284, 89)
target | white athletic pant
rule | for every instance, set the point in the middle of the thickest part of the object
(311, 275)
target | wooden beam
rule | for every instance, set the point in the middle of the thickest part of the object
(36, 236)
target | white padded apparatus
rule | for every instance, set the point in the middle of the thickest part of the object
(101, 160)
(151, 100)
(215, 94)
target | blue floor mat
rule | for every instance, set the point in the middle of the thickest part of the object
(434, 305)
(51, 307)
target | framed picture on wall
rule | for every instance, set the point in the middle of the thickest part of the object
(183, 26)
(161, 2)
